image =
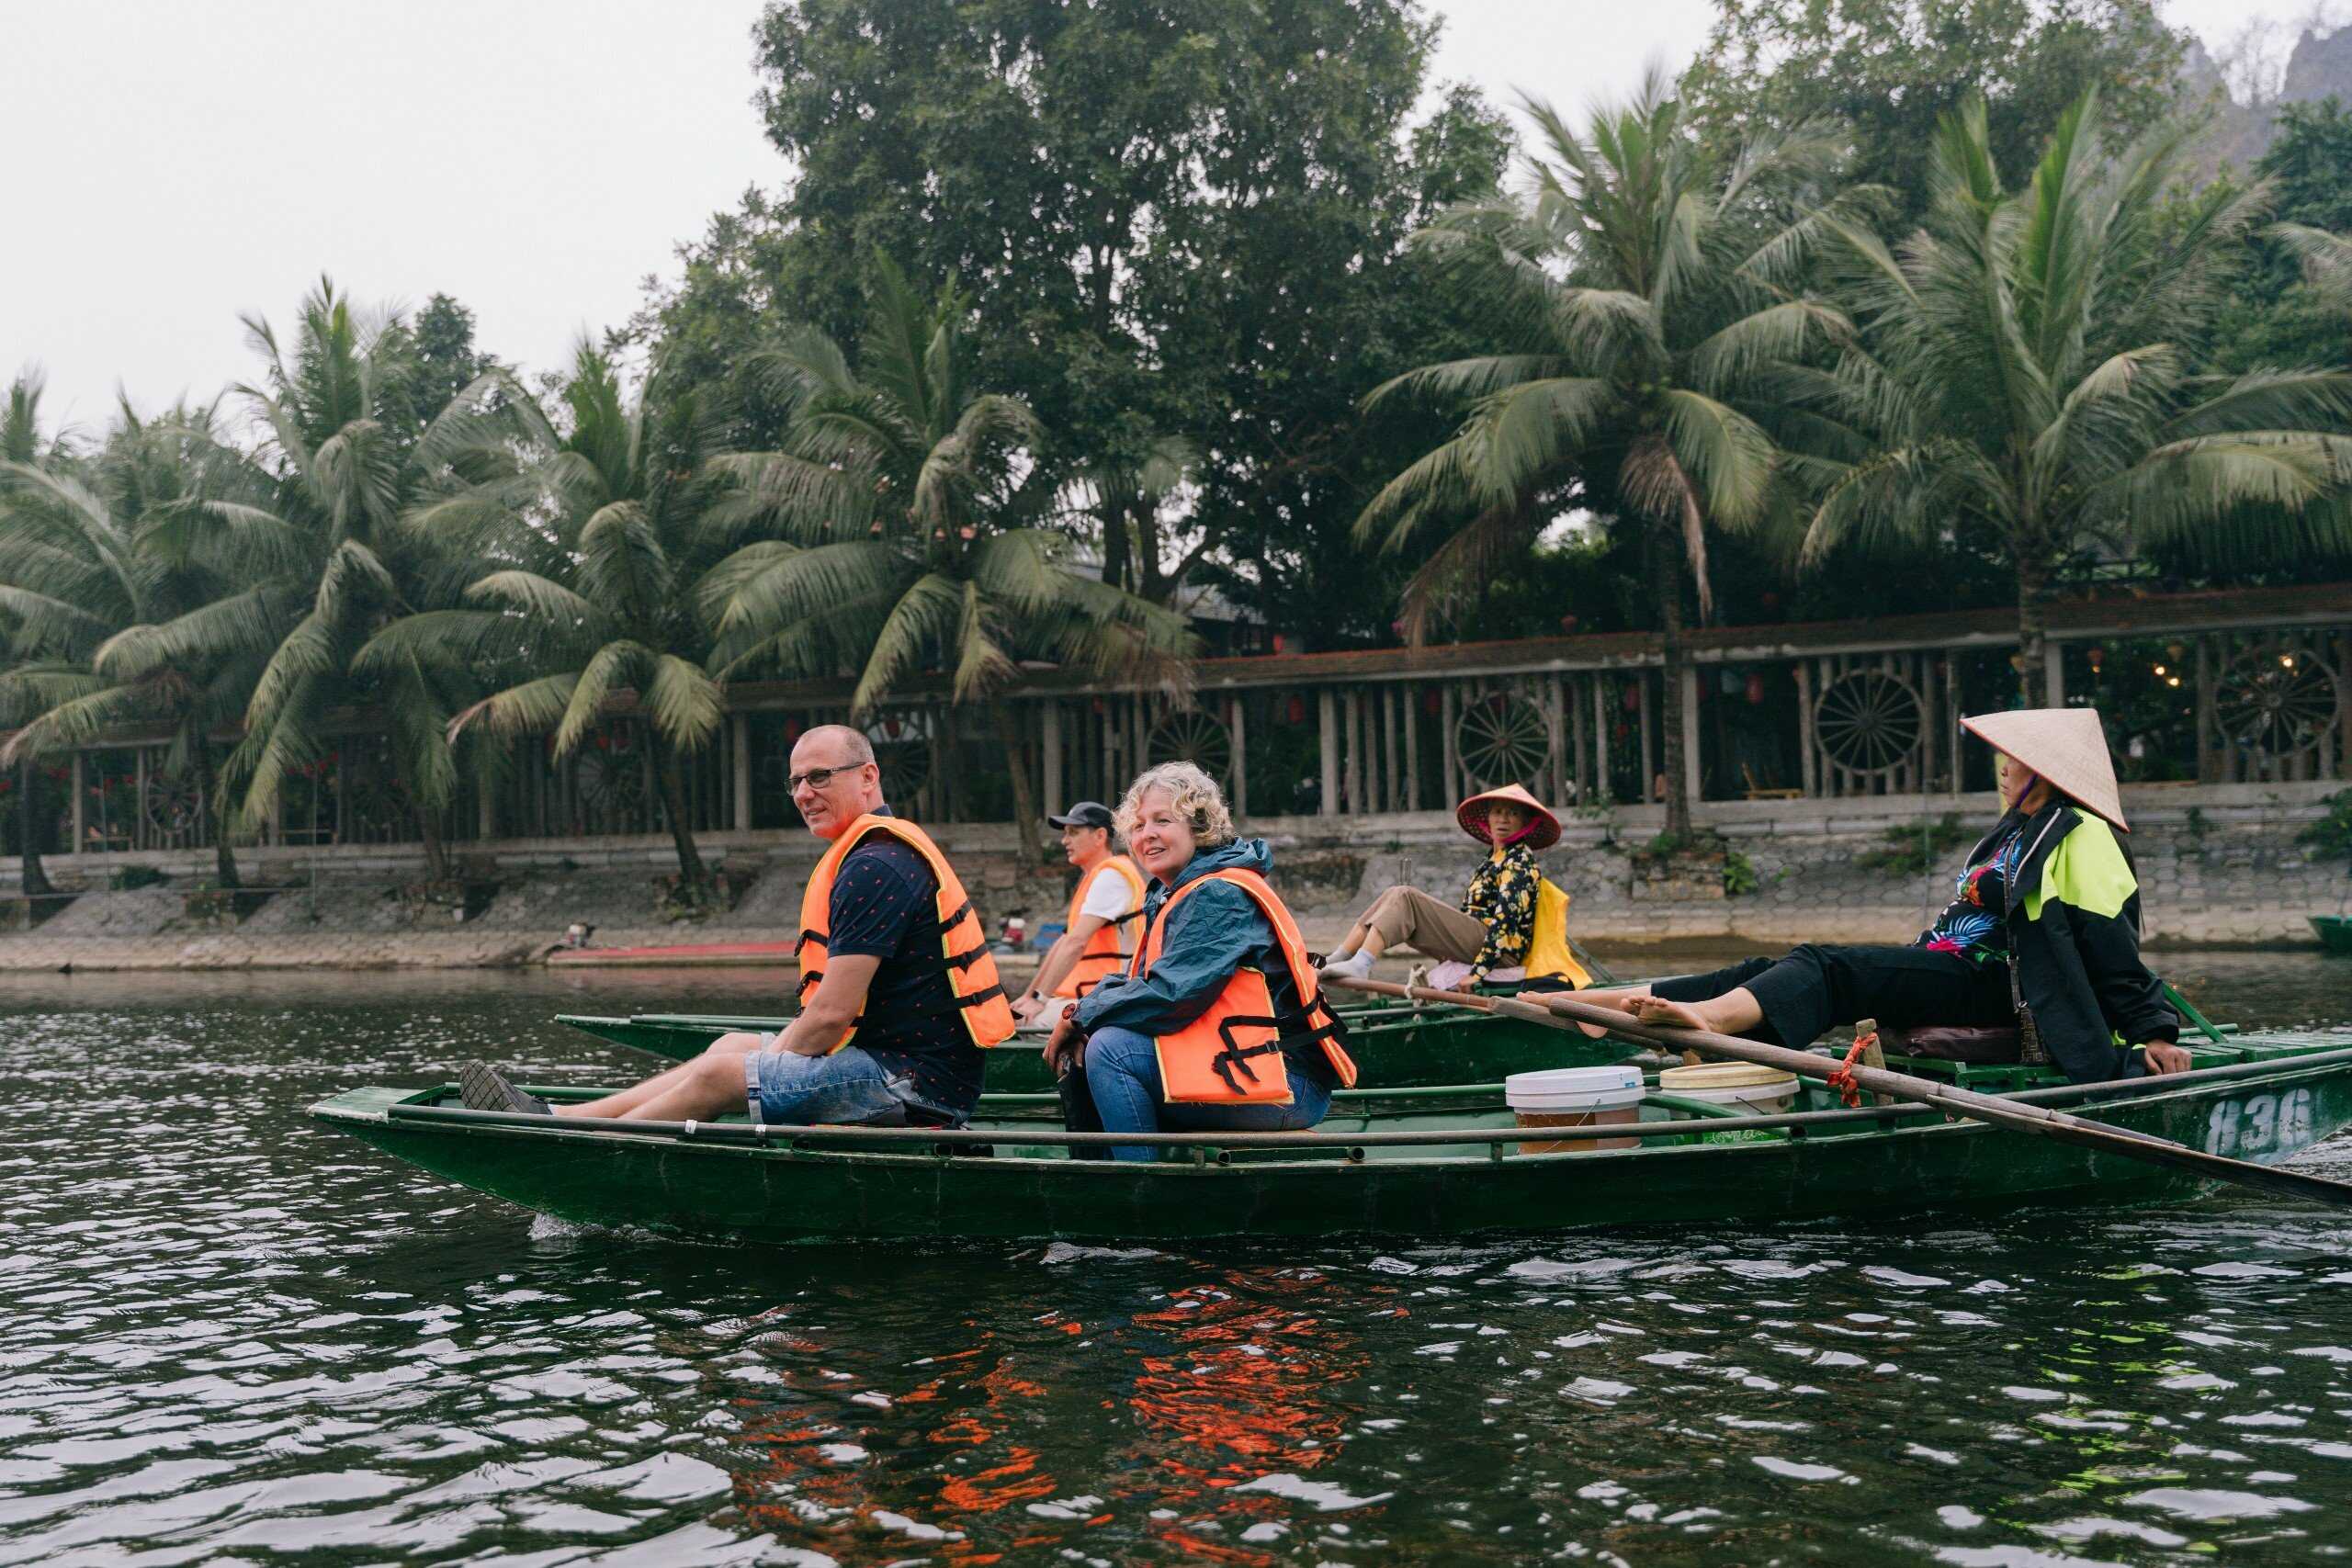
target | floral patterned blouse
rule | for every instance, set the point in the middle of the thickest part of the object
(1972, 925)
(1502, 894)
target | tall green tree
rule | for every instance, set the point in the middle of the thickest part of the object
(901, 515)
(447, 361)
(1630, 331)
(1181, 220)
(1890, 69)
(588, 544)
(2275, 314)
(2022, 374)
(144, 590)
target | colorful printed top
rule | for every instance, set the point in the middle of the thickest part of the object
(1502, 894)
(1974, 924)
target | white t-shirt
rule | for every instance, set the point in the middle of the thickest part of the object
(1109, 898)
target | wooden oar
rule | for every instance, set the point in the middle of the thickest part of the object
(1558, 1011)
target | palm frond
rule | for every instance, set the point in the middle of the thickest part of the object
(685, 703)
(920, 626)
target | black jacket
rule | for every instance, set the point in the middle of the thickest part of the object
(2074, 924)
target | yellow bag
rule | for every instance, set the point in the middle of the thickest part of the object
(1547, 949)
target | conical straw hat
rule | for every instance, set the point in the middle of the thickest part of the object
(1541, 833)
(2066, 746)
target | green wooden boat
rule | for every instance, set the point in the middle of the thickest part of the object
(1429, 1162)
(1400, 1047)
(2335, 932)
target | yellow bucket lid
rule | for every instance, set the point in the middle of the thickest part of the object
(1722, 1074)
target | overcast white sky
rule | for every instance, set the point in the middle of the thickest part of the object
(172, 164)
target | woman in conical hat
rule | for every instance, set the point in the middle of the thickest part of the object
(1491, 927)
(2043, 930)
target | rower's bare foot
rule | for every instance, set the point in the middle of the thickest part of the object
(1618, 1001)
(1672, 1015)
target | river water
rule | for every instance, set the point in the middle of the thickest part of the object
(228, 1334)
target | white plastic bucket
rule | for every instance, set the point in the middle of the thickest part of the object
(1576, 1097)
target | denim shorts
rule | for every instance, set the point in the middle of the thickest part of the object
(791, 1090)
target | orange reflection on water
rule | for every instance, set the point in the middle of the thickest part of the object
(1240, 1390)
(812, 1497)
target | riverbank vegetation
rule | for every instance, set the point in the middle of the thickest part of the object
(1260, 312)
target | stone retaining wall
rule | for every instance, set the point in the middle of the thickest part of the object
(2220, 866)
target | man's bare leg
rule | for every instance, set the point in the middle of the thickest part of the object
(1732, 1013)
(733, 1047)
(711, 1084)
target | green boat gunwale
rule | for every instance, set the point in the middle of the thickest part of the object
(927, 1145)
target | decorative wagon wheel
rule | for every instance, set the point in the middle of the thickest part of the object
(171, 806)
(375, 805)
(1191, 736)
(902, 746)
(1503, 739)
(612, 778)
(1867, 721)
(2275, 701)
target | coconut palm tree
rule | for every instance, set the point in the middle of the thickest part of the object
(145, 590)
(900, 534)
(1636, 317)
(2024, 371)
(23, 443)
(588, 544)
(342, 438)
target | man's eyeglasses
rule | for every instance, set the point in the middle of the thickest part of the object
(816, 778)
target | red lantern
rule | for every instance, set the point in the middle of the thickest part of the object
(1281, 643)
(1622, 729)
(1568, 623)
(1101, 706)
(792, 729)
(1630, 699)
(1432, 701)
(1295, 711)
(1755, 690)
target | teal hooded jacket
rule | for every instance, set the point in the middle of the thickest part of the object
(1215, 930)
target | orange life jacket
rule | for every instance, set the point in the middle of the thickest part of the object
(1210, 1060)
(963, 945)
(1104, 956)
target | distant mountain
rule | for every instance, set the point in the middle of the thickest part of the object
(2320, 67)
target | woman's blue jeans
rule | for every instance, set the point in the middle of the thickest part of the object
(1123, 1073)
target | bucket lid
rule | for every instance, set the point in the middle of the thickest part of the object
(1573, 1081)
(1724, 1074)
(1574, 1088)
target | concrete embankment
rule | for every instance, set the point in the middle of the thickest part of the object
(2221, 866)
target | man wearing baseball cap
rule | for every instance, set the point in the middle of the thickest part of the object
(1108, 898)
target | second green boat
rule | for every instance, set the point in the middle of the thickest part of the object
(1397, 1048)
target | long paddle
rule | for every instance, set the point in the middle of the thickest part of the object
(1557, 1011)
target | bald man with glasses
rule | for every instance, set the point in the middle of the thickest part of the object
(892, 951)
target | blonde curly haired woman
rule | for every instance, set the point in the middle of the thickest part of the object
(1218, 1023)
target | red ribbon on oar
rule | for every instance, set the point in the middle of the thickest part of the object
(1841, 1077)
